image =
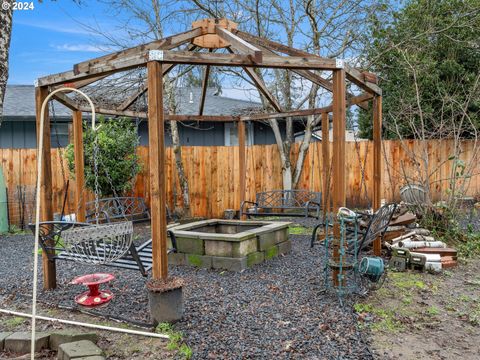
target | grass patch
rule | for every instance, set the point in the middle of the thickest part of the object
(407, 281)
(176, 340)
(433, 310)
(299, 230)
(13, 322)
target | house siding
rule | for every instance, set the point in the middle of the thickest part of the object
(18, 134)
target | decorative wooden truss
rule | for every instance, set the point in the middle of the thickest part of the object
(243, 50)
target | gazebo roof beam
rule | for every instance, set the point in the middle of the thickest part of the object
(261, 87)
(352, 74)
(129, 101)
(241, 45)
(66, 101)
(167, 43)
(355, 100)
(217, 59)
(204, 90)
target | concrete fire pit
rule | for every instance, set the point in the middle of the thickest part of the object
(229, 244)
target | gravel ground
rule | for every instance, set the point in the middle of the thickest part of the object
(273, 309)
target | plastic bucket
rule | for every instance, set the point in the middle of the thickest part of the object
(372, 267)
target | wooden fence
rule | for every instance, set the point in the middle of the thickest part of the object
(213, 172)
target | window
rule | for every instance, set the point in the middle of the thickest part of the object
(231, 134)
(59, 134)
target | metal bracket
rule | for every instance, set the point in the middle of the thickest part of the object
(155, 55)
(339, 63)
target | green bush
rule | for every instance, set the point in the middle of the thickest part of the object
(117, 158)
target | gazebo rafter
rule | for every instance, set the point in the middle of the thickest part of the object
(243, 50)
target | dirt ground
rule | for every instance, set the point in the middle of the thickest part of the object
(115, 345)
(425, 316)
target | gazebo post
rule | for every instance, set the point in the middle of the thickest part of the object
(339, 181)
(326, 163)
(157, 174)
(46, 210)
(80, 207)
(241, 160)
(377, 163)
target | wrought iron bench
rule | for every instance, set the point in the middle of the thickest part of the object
(121, 208)
(283, 203)
(377, 226)
(137, 257)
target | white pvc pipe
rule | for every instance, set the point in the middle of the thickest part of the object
(87, 325)
(37, 208)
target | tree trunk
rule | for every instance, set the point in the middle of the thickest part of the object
(177, 151)
(303, 150)
(5, 36)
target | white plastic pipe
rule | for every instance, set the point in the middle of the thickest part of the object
(37, 205)
(87, 325)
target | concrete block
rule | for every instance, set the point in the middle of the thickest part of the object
(255, 258)
(19, 342)
(199, 260)
(219, 248)
(228, 263)
(281, 235)
(190, 245)
(61, 337)
(3, 336)
(78, 349)
(285, 247)
(271, 252)
(177, 259)
(245, 247)
(266, 241)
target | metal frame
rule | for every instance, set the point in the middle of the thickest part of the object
(137, 258)
(286, 200)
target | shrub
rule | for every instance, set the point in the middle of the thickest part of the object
(118, 161)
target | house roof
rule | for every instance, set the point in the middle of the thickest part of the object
(20, 103)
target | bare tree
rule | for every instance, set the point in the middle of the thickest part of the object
(6, 14)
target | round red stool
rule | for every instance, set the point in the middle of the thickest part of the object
(94, 296)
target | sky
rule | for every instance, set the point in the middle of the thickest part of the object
(50, 39)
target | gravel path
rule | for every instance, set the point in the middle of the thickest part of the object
(273, 309)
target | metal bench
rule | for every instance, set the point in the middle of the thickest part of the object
(377, 226)
(283, 203)
(122, 208)
(137, 257)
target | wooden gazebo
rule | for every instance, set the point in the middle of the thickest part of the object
(243, 50)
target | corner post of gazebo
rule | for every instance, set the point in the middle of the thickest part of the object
(80, 201)
(241, 161)
(46, 210)
(157, 170)
(338, 160)
(326, 163)
(377, 163)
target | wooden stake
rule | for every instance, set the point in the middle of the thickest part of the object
(80, 207)
(157, 175)
(377, 163)
(241, 160)
(339, 173)
(326, 163)
(46, 211)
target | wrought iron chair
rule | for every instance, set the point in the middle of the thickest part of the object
(377, 225)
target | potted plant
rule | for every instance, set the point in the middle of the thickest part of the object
(165, 297)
